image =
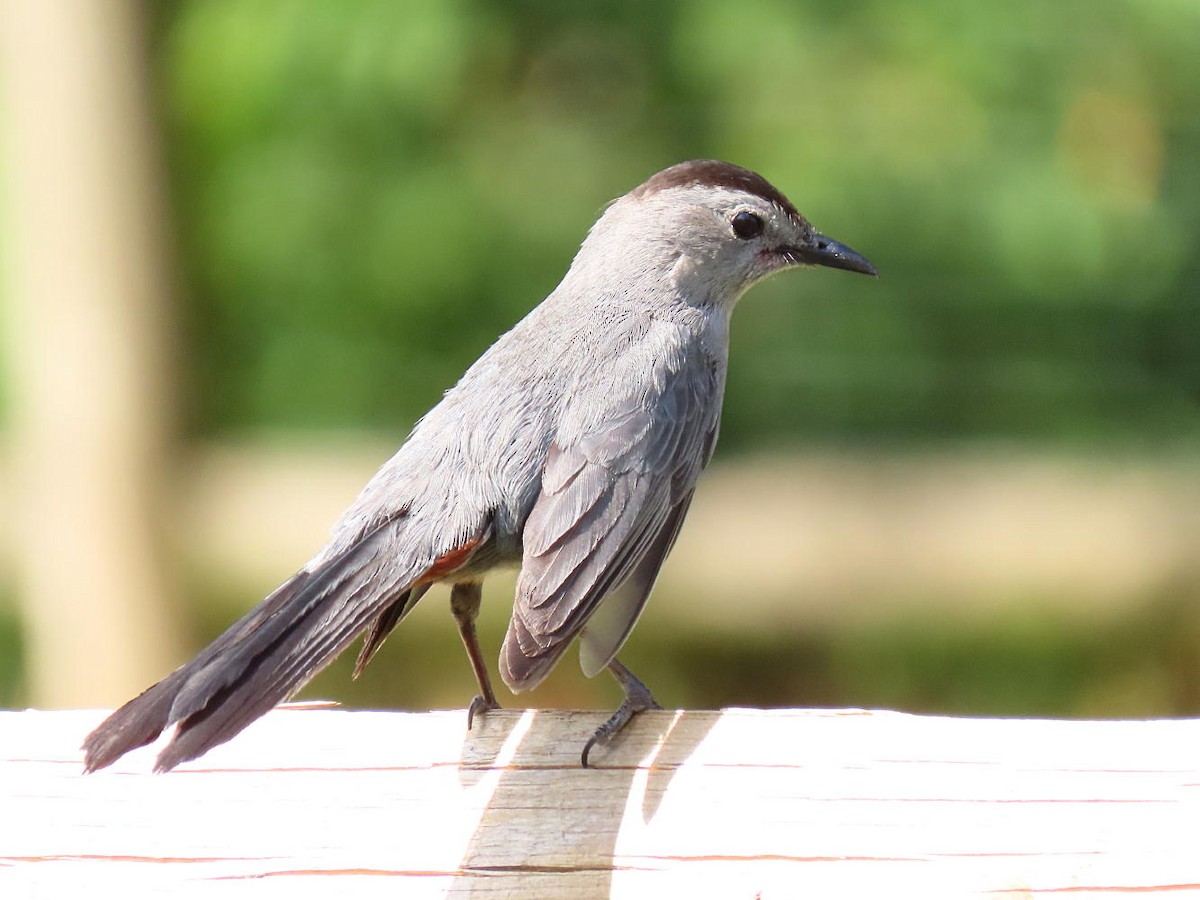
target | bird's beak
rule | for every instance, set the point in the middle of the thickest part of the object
(824, 251)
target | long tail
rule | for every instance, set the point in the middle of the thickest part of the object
(262, 659)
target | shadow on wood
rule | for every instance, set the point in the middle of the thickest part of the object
(513, 847)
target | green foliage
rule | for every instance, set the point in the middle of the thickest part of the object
(12, 654)
(370, 191)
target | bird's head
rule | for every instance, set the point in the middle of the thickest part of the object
(716, 229)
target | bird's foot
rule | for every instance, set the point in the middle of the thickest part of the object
(478, 707)
(637, 699)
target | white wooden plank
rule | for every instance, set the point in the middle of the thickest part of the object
(741, 803)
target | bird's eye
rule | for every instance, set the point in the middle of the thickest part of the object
(746, 225)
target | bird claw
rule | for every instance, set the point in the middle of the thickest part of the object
(637, 700)
(479, 706)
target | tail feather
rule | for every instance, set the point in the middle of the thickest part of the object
(137, 723)
(261, 660)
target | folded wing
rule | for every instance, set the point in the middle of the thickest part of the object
(611, 504)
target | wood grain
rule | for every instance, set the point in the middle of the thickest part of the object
(739, 803)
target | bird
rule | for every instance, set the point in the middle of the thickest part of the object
(570, 449)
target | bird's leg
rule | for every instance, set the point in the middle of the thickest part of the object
(465, 597)
(637, 699)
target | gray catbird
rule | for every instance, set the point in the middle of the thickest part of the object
(571, 448)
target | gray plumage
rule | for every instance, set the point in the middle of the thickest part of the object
(571, 449)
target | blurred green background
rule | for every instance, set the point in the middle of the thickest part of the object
(364, 194)
(384, 187)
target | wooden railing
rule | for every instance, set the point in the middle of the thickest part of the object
(732, 804)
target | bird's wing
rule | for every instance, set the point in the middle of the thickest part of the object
(378, 631)
(611, 503)
(613, 620)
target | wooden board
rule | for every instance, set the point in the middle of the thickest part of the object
(325, 803)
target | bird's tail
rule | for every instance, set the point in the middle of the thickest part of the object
(262, 659)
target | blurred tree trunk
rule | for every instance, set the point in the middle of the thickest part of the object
(88, 349)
